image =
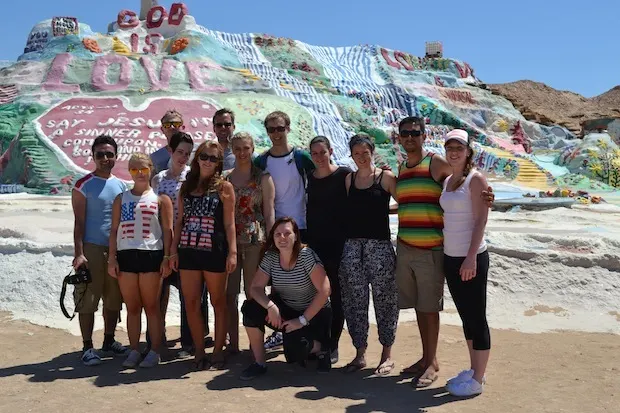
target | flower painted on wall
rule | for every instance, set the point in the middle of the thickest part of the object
(179, 45)
(92, 45)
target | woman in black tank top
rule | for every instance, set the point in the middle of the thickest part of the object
(325, 216)
(368, 257)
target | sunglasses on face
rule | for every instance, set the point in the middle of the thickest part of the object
(406, 133)
(106, 154)
(136, 171)
(272, 129)
(207, 157)
(168, 125)
(223, 124)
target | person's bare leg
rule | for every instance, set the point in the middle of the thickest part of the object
(359, 362)
(87, 324)
(479, 363)
(130, 290)
(430, 339)
(256, 338)
(149, 285)
(216, 284)
(164, 299)
(192, 286)
(386, 365)
(232, 304)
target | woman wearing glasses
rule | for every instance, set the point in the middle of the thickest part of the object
(204, 247)
(139, 247)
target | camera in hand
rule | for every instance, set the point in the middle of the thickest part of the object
(81, 276)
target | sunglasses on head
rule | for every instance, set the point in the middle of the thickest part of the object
(207, 157)
(223, 124)
(106, 154)
(272, 129)
(168, 125)
(136, 171)
(405, 133)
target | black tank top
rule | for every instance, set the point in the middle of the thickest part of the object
(203, 223)
(368, 211)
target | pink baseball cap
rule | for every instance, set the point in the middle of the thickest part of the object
(459, 135)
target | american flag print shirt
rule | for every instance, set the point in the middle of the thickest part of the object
(139, 226)
(203, 226)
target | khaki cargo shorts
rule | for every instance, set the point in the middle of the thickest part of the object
(248, 257)
(420, 278)
(87, 296)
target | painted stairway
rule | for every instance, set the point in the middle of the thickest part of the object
(529, 175)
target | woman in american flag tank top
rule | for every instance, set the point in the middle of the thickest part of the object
(140, 240)
(204, 248)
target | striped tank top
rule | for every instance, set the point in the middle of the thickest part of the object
(420, 217)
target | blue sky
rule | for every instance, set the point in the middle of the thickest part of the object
(568, 45)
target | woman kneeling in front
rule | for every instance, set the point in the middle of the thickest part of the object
(298, 304)
(466, 260)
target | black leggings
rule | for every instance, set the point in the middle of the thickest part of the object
(470, 298)
(331, 268)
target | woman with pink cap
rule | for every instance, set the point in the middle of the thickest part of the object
(466, 260)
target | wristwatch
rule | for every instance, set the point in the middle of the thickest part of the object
(303, 320)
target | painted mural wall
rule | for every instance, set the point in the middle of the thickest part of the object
(72, 84)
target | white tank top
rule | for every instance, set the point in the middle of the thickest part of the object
(139, 228)
(458, 219)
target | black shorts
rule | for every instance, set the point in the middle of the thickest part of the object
(137, 261)
(197, 260)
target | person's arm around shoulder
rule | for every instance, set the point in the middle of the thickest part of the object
(347, 181)
(228, 197)
(257, 291)
(116, 220)
(173, 259)
(78, 202)
(166, 214)
(319, 279)
(477, 185)
(388, 182)
(440, 168)
(269, 199)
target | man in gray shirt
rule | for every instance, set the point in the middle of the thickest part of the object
(224, 127)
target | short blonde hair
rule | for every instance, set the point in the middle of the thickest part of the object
(141, 157)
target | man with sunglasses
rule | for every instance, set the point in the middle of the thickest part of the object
(224, 127)
(289, 168)
(171, 123)
(419, 248)
(92, 199)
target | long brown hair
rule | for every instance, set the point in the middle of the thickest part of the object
(214, 183)
(469, 161)
(270, 244)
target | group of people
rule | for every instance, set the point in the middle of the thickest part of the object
(290, 221)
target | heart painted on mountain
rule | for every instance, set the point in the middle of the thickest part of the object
(70, 127)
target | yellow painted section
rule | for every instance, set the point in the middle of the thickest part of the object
(529, 174)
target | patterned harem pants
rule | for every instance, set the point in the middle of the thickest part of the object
(369, 262)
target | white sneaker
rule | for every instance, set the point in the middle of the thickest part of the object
(132, 359)
(91, 358)
(462, 376)
(152, 359)
(465, 388)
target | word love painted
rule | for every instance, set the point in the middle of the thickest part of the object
(71, 127)
(197, 73)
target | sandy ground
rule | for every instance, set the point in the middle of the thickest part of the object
(549, 372)
(554, 301)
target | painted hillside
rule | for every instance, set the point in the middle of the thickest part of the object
(72, 84)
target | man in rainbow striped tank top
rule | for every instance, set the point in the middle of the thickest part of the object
(419, 249)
